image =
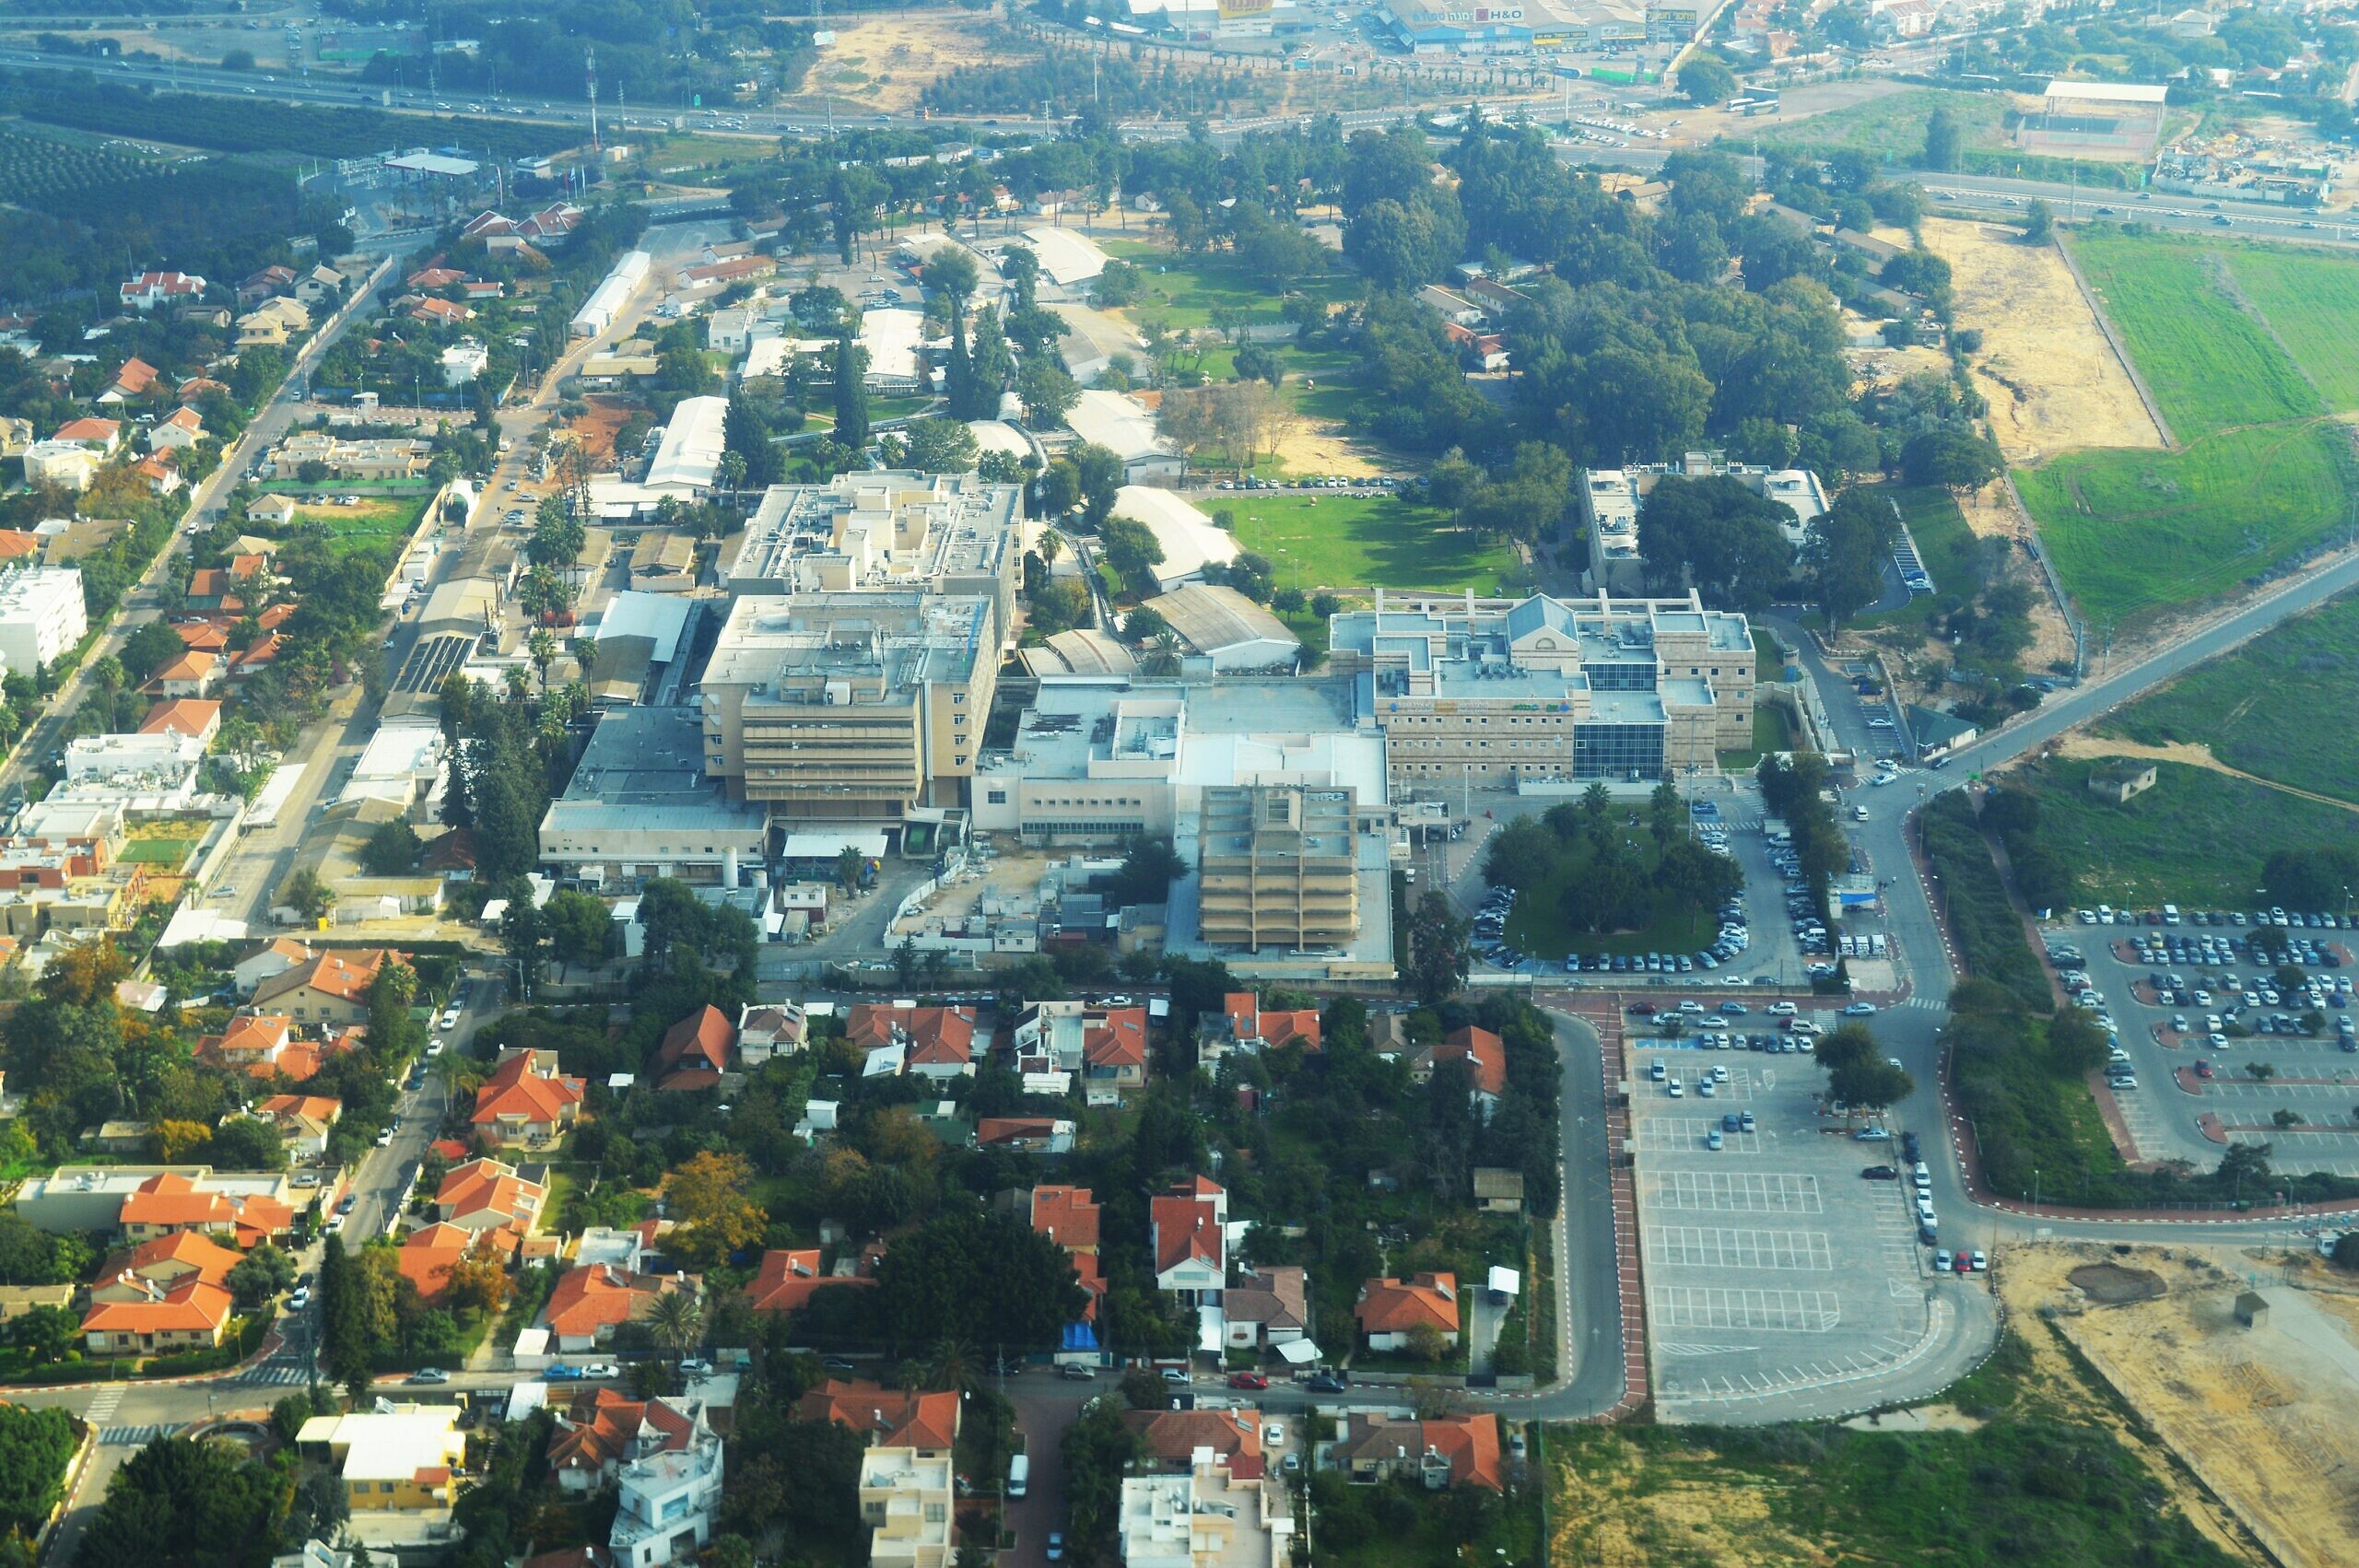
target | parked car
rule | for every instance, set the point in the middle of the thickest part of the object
(1074, 1372)
(429, 1374)
(696, 1366)
(1881, 1173)
(1248, 1380)
(1326, 1382)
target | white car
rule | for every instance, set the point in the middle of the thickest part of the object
(601, 1371)
(450, 1019)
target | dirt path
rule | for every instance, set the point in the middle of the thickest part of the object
(2193, 755)
(2053, 381)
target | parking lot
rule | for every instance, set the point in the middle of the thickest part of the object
(1772, 1268)
(2194, 1007)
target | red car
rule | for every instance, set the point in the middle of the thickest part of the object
(1963, 1264)
(2203, 1067)
(1248, 1380)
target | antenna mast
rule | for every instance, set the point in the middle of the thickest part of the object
(589, 63)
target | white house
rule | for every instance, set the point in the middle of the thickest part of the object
(64, 465)
(463, 361)
(669, 1501)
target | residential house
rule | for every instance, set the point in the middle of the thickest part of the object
(133, 378)
(60, 465)
(1068, 1216)
(694, 1052)
(1243, 1025)
(927, 1422)
(428, 1254)
(154, 1269)
(272, 280)
(101, 436)
(1498, 1191)
(169, 1202)
(1486, 1064)
(193, 673)
(275, 957)
(150, 290)
(251, 1043)
(1188, 1229)
(1211, 1517)
(440, 312)
(214, 588)
(1391, 1311)
(331, 988)
(768, 1029)
(604, 1429)
(788, 1277)
(183, 716)
(322, 285)
(589, 1302)
(485, 1195)
(1459, 1450)
(190, 1315)
(906, 1500)
(432, 277)
(1175, 1441)
(159, 473)
(526, 1100)
(400, 1460)
(278, 510)
(935, 1042)
(182, 428)
(668, 1504)
(1113, 1050)
(304, 1122)
(275, 323)
(1025, 1134)
(1267, 1306)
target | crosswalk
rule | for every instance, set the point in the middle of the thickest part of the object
(281, 1373)
(1921, 1003)
(104, 1403)
(135, 1436)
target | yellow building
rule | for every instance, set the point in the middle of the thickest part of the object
(404, 1459)
(1280, 867)
(905, 1500)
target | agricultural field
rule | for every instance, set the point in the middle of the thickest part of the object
(2197, 837)
(1347, 542)
(2135, 532)
(2269, 710)
(36, 170)
(2210, 365)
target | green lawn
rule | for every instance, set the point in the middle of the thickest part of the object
(1346, 541)
(1536, 927)
(2261, 709)
(2209, 364)
(1183, 291)
(1951, 552)
(169, 853)
(2197, 838)
(2134, 531)
(2313, 301)
(1772, 731)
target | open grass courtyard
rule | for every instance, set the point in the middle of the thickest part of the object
(1319, 541)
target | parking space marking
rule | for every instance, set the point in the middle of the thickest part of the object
(1712, 1306)
(1713, 1247)
(1736, 1191)
(1680, 1134)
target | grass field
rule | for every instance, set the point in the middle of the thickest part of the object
(374, 522)
(2268, 708)
(1948, 547)
(169, 853)
(2197, 838)
(1183, 291)
(2313, 301)
(2135, 532)
(1894, 126)
(2207, 362)
(1318, 541)
(1771, 733)
(1536, 926)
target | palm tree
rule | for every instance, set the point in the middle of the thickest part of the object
(849, 865)
(675, 1322)
(955, 1367)
(1051, 545)
(542, 646)
(1162, 655)
(520, 685)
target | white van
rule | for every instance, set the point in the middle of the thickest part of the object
(1019, 1471)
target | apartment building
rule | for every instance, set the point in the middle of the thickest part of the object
(1494, 691)
(944, 533)
(1212, 1517)
(1280, 867)
(905, 1500)
(378, 457)
(669, 1501)
(851, 706)
(42, 615)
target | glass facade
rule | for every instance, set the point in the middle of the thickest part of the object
(1616, 750)
(1623, 675)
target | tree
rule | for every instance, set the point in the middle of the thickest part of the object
(1131, 549)
(851, 866)
(1844, 554)
(1438, 960)
(260, 1275)
(392, 850)
(35, 1448)
(989, 1278)
(1046, 390)
(675, 1322)
(2039, 223)
(477, 1285)
(1952, 458)
(941, 446)
(1944, 141)
(183, 1502)
(306, 894)
(1705, 79)
(1148, 871)
(579, 926)
(708, 1197)
(44, 1334)
(850, 393)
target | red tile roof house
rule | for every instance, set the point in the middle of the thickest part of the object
(694, 1052)
(428, 1253)
(1025, 1134)
(790, 1277)
(183, 716)
(163, 1265)
(1170, 1440)
(134, 377)
(99, 435)
(332, 988)
(1389, 1310)
(1066, 1215)
(150, 290)
(604, 1429)
(888, 1418)
(1243, 1026)
(527, 1101)
(1187, 1227)
(1113, 1050)
(589, 1302)
(485, 1195)
(939, 1042)
(1461, 1450)
(251, 1044)
(1486, 1062)
(190, 1316)
(181, 427)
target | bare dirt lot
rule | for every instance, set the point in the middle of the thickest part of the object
(2052, 380)
(1696, 127)
(884, 62)
(2260, 1413)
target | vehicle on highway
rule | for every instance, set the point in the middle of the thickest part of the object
(1248, 1380)
(1326, 1382)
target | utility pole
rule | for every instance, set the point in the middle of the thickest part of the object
(590, 65)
